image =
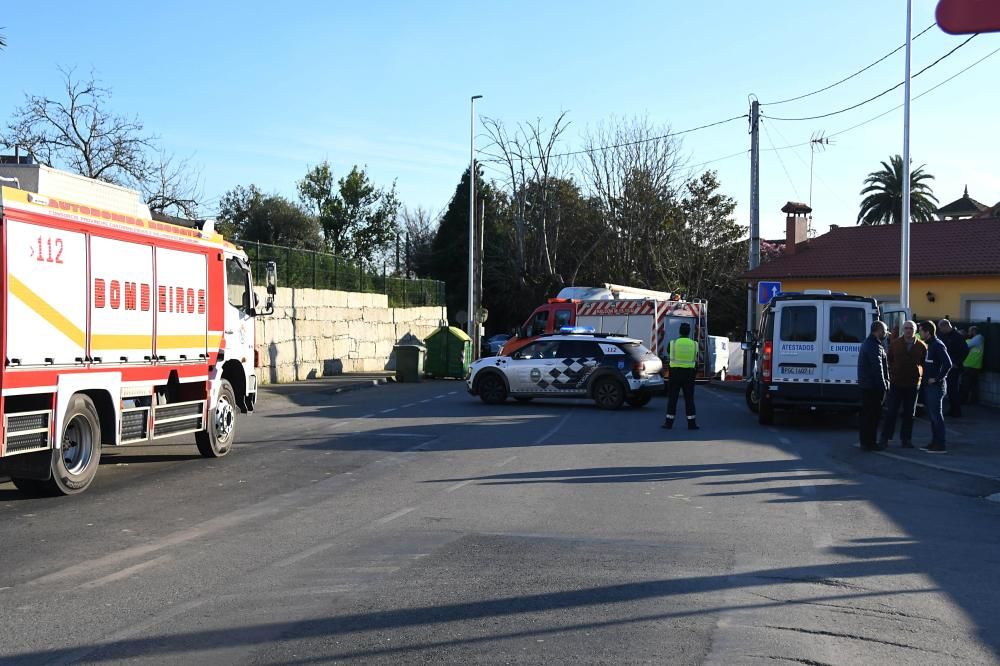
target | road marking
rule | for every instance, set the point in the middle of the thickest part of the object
(451, 489)
(124, 573)
(784, 440)
(452, 392)
(399, 434)
(427, 400)
(386, 411)
(394, 516)
(408, 405)
(308, 552)
(507, 462)
(438, 397)
(366, 416)
(553, 431)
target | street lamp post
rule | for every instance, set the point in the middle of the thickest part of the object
(471, 328)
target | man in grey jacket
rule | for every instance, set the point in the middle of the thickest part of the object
(873, 380)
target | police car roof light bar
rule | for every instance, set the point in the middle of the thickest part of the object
(571, 330)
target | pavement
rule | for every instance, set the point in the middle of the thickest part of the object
(972, 464)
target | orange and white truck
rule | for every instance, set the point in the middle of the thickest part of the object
(654, 317)
(116, 329)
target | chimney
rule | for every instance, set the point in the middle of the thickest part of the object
(796, 224)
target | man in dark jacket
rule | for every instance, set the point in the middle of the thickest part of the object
(873, 379)
(936, 366)
(954, 342)
(906, 360)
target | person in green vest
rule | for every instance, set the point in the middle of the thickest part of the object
(973, 366)
(683, 352)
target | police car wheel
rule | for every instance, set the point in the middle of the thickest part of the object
(608, 393)
(492, 390)
(639, 399)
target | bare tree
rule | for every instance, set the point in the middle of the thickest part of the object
(418, 227)
(634, 170)
(531, 167)
(78, 132)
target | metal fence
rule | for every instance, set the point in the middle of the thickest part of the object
(318, 270)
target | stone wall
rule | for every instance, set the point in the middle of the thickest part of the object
(315, 333)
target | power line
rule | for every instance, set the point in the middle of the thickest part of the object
(881, 94)
(781, 161)
(634, 143)
(848, 78)
(895, 108)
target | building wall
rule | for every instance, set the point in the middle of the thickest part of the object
(948, 292)
(316, 333)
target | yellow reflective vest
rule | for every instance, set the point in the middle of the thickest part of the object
(683, 353)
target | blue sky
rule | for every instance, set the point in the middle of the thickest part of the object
(257, 92)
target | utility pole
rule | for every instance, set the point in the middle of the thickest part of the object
(754, 218)
(471, 317)
(904, 250)
(480, 265)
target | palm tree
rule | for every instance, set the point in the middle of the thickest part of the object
(884, 201)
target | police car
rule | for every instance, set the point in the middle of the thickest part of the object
(574, 363)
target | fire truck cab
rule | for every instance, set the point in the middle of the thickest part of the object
(116, 328)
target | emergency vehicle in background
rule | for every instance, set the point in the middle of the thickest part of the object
(653, 317)
(117, 329)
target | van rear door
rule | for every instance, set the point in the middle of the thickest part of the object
(797, 354)
(846, 327)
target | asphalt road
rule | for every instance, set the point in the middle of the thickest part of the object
(414, 524)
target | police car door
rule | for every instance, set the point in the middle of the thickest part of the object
(846, 327)
(575, 362)
(530, 366)
(797, 355)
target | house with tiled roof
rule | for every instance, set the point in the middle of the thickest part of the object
(954, 264)
(962, 208)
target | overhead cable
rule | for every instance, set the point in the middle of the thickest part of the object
(881, 94)
(848, 78)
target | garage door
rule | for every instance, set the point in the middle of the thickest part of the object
(981, 310)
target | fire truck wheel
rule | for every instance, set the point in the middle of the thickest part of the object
(75, 464)
(609, 393)
(217, 440)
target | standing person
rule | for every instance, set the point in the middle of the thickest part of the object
(954, 342)
(873, 379)
(683, 353)
(973, 366)
(906, 359)
(937, 363)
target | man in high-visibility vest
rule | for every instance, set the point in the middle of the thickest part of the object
(973, 366)
(683, 353)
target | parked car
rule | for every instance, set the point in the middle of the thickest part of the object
(492, 345)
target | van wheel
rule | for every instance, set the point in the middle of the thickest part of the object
(765, 414)
(609, 394)
(492, 389)
(75, 463)
(753, 397)
(216, 440)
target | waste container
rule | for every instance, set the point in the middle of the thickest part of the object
(449, 353)
(409, 362)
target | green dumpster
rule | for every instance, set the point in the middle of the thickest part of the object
(409, 362)
(449, 353)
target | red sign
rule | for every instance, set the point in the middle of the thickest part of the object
(964, 17)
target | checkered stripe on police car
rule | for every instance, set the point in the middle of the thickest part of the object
(568, 374)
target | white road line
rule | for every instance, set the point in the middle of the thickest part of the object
(438, 397)
(124, 573)
(399, 434)
(427, 400)
(507, 462)
(451, 489)
(452, 392)
(784, 440)
(386, 411)
(408, 405)
(366, 416)
(554, 430)
(394, 516)
(308, 552)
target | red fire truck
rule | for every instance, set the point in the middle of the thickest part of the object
(117, 329)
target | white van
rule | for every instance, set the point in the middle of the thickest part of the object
(805, 352)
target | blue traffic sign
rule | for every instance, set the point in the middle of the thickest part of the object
(766, 291)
